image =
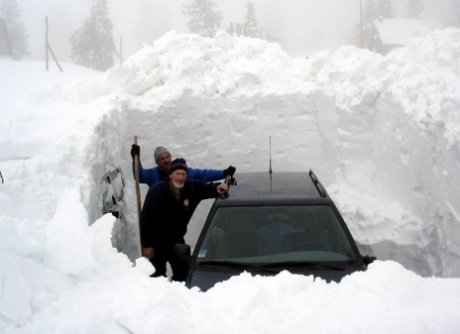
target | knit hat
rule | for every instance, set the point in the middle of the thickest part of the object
(159, 151)
(178, 164)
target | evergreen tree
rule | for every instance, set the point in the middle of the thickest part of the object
(15, 34)
(250, 24)
(92, 44)
(455, 12)
(415, 8)
(385, 9)
(369, 15)
(204, 20)
(373, 9)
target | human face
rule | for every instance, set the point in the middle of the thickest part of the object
(178, 178)
(164, 161)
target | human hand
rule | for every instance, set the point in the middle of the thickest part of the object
(229, 171)
(135, 150)
(148, 252)
(222, 188)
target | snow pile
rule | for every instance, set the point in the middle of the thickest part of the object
(380, 132)
(385, 126)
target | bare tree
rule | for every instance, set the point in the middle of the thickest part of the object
(13, 31)
(204, 20)
(92, 44)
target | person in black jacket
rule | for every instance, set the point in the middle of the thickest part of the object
(167, 209)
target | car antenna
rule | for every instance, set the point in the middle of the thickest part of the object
(270, 163)
(270, 150)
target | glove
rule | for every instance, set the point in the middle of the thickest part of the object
(229, 171)
(135, 150)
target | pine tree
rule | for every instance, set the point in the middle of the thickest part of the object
(385, 9)
(15, 32)
(373, 9)
(415, 8)
(250, 24)
(455, 12)
(369, 15)
(92, 44)
(204, 20)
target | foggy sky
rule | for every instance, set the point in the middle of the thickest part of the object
(302, 27)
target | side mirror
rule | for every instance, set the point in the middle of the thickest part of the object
(182, 251)
(368, 259)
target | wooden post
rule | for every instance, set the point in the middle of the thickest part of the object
(46, 44)
(48, 49)
(361, 21)
(55, 59)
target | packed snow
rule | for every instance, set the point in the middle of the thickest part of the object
(381, 133)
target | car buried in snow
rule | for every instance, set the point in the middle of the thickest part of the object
(271, 222)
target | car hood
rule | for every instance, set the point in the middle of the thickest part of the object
(205, 278)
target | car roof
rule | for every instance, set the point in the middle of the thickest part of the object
(279, 187)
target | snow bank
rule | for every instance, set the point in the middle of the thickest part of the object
(379, 131)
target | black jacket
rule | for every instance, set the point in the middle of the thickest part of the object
(164, 219)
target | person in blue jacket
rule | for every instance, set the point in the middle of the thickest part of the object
(159, 173)
(167, 210)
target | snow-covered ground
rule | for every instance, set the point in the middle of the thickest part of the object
(380, 132)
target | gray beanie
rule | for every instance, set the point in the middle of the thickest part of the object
(159, 151)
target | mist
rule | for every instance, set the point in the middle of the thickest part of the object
(301, 27)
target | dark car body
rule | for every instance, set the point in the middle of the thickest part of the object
(272, 222)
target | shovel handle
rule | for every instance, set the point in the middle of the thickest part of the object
(136, 177)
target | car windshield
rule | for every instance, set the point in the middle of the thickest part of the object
(308, 234)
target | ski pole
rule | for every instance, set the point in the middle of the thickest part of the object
(3, 181)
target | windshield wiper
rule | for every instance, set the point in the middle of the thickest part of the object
(239, 265)
(307, 264)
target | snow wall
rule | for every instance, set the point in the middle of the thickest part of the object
(380, 132)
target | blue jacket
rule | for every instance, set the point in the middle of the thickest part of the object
(151, 176)
(165, 218)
